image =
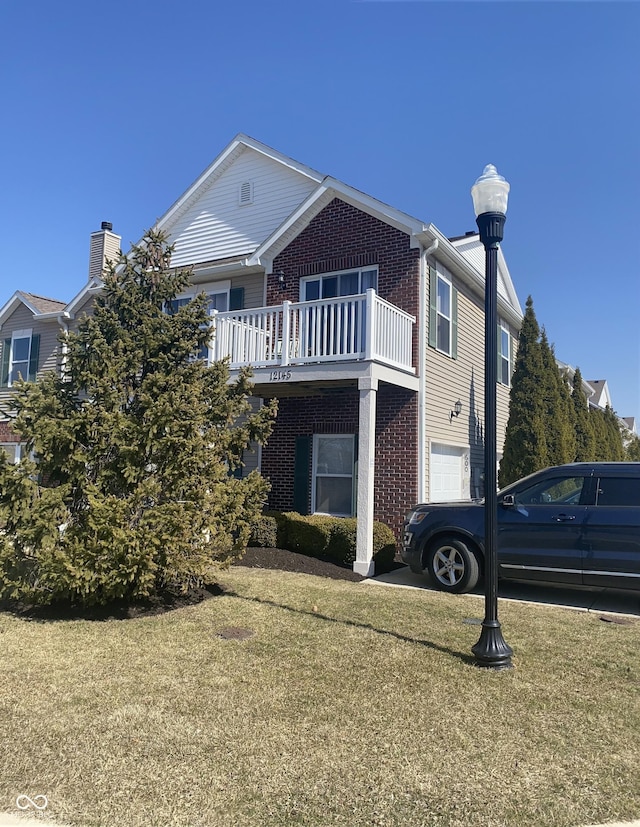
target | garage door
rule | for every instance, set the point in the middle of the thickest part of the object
(445, 472)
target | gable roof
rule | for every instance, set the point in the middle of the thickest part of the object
(213, 228)
(39, 306)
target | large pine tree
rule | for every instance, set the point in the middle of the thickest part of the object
(525, 446)
(585, 440)
(135, 442)
(558, 411)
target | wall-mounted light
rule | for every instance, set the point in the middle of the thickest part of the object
(457, 409)
(280, 277)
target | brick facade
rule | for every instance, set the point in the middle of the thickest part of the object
(337, 413)
(341, 237)
(6, 434)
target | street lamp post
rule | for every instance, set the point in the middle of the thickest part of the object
(490, 194)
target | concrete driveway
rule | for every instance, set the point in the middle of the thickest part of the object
(607, 601)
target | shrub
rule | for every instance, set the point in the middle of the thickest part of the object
(264, 532)
(334, 537)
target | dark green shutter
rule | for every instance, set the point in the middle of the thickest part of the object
(301, 474)
(433, 307)
(34, 356)
(6, 355)
(236, 298)
(454, 323)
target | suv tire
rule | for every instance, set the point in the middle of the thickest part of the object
(451, 565)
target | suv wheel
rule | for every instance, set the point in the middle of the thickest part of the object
(452, 566)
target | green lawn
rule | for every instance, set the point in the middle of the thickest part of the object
(351, 704)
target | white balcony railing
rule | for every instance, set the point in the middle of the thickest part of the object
(347, 328)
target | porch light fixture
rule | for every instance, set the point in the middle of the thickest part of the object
(457, 410)
(280, 277)
(490, 194)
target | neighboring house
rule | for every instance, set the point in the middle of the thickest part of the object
(29, 330)
(365, 322)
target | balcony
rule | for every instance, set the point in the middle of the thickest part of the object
(343, 329)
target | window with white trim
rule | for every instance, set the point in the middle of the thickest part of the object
(443, 311)
(443, 315)
(343, 283)
(20, 357)
(217, 294)
(333, 478)
(504, 356)
(13, 450)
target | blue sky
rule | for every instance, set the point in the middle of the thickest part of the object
(111, 110)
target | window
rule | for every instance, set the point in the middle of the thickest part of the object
(13, 450)
(217, 299)
(443, 312)
(556, 491)
(504, 356)
(20, 357)
(333, 474)
(330, 285)
(623, 491)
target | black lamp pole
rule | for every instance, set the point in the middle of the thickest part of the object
(491, 650)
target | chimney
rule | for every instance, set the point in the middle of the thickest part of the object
(105, 245)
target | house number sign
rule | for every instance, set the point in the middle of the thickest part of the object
(279, 375)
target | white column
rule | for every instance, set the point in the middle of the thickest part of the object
(368, 389)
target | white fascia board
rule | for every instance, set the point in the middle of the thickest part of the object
(10, 306)
(92, 287)
(301, 216)
(221, 162)
(329, 189)
(451, 256)
(378, 209)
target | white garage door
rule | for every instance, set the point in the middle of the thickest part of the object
(445, 473)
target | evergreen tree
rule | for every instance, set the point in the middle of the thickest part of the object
(615, 447)
(632, 451)
(561, 441)
(136, 442)
(525, 445)
(600, 435)
(585, 440)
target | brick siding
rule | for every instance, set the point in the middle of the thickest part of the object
(342, 237)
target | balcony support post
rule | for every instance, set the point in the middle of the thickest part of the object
(368, 390)
(286, 332)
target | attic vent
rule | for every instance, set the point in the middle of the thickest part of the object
(245, 194)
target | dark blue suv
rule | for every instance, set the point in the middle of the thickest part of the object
(573, 524)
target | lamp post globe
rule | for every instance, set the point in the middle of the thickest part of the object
(490, 195)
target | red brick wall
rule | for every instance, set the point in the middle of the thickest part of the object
(341, 237)
(6, 434)
(337, 413)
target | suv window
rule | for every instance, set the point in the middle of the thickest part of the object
(559, 490)
(620, 491)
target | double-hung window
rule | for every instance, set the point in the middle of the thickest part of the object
(333, 474)
(504, 356)
(443, 311)
(20, 357)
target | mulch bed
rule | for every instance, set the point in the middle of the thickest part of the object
(282, 560)
(259, 558)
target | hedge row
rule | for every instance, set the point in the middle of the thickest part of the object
(321, 536)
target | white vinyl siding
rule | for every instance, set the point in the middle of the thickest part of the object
(218, 226)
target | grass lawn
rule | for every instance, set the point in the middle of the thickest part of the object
(350, 704)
